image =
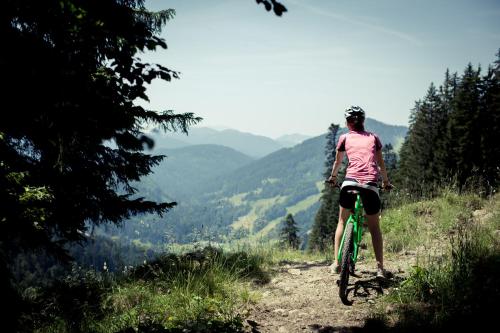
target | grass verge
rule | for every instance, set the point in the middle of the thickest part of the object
(204, 290)
(456, 288)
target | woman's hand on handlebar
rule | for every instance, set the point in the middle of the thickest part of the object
(332, 181)
(387, 186)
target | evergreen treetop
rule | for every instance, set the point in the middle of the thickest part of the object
(325, 220)
(453, 134)
(289, 232)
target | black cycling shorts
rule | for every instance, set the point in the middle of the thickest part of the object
(370, 199)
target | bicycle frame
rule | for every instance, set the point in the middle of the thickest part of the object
(356, 218)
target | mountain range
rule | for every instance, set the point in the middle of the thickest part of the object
(255, 146)
(222, 193)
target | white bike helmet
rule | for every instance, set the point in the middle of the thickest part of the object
(354, 111)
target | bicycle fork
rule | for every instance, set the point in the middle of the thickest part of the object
(357, 234)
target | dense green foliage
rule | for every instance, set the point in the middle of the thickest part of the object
(453, 135)
(197, 291)
(71, 139)
(40, 269)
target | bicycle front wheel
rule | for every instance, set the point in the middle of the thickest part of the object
(345, 265)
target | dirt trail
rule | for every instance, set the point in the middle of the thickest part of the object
(304, 298)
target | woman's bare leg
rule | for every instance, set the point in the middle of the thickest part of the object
(343, 216)
(378, 245)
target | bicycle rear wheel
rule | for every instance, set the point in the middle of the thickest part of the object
(345, 265)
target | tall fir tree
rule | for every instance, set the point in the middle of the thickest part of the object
(464, 127)
(443, 144)
(289, 233)
(490, 121)
(325, 220)
(417, 169)
(72, 139)
(390, 159)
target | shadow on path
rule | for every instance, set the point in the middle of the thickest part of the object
(369, 288)
(300, 265)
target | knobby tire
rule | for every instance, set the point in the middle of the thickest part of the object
(347, 249)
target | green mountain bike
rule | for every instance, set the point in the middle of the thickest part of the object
(349, 246)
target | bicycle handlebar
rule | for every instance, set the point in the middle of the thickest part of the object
(334, 184)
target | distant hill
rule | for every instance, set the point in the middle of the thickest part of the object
(286, 181)
(298, 162)
(249, 144)
(291, 140)
(184, 170)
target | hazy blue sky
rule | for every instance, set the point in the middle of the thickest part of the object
(245, 68)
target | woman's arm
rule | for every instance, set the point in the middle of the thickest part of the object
(383, 171)
(339, 156)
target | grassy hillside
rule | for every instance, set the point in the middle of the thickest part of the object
(454, 282)
(282, 182)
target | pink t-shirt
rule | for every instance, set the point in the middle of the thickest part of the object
(360, 148)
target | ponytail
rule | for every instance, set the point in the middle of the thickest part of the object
(357, 123)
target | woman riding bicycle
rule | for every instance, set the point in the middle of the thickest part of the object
(364, 153)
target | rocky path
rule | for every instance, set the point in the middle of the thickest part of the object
(304, 298)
